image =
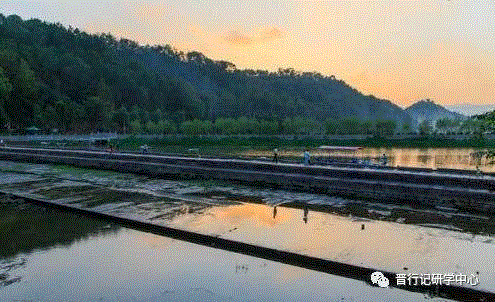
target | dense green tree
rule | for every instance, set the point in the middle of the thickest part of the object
(385, 128)
(23, 95)
(366, 127)
(447, 125)
(152, 128)
(350, 126)
(226, 126)
(406, 127)
(301, 125)
(331, 126)
(136, 127)
(425, 128)
(49, 117)
(99, 111)
(5, 90)
(64, 114)
(156, 115)
(5, 87)
(475, 126)
(87, 79)
(120, 120)
(166, 127)
(268, 127)
(196, 127)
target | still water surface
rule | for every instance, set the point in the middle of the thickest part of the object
(48, 255)
(109, 263)
(434, 158)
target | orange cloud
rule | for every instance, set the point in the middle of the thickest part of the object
(264, 35)
(271, 33)
(234, 37)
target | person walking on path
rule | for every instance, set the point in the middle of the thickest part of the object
(275, 155)
(307, 158)
(384, 160)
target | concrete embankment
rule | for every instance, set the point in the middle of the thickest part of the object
(469, 192)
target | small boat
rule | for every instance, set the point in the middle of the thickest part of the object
(339, 148)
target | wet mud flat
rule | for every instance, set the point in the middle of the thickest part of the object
(474, 193)
(379, 236)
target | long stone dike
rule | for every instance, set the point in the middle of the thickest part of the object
(467, 192)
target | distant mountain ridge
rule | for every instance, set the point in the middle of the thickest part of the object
(429, 111)
(471, 109)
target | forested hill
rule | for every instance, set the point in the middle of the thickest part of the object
(428, 110)
(57, 77)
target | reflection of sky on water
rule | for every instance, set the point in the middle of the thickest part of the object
(114, 264)
(451, 158)
(135, 266)
(382, 245)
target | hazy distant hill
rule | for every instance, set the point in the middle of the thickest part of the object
(428, 110)
(471, 109)
(57, 77)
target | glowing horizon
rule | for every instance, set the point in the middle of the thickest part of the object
(402, 51)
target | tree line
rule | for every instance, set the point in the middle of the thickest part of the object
(477, 126)
(245, 125)
(56, 77)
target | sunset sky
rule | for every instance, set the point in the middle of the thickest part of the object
(399, 50)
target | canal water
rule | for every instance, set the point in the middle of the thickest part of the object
(433, 158)
(49, 255)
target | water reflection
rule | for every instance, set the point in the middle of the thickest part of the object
(367, 235)
(127, 265)
(25, 228)
(423, 159)
(435, 158)
(241, 269)
(352, 240)
(21, 220)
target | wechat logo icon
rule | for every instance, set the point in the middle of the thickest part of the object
(379, 279)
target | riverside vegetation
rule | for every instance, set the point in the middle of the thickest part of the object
(60, 78)
(54, 77)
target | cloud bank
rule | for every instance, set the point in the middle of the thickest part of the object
(264, 35)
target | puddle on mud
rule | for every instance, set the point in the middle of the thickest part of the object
(383, 236)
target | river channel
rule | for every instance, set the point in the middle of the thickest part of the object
(432, 158)
(50, 255)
